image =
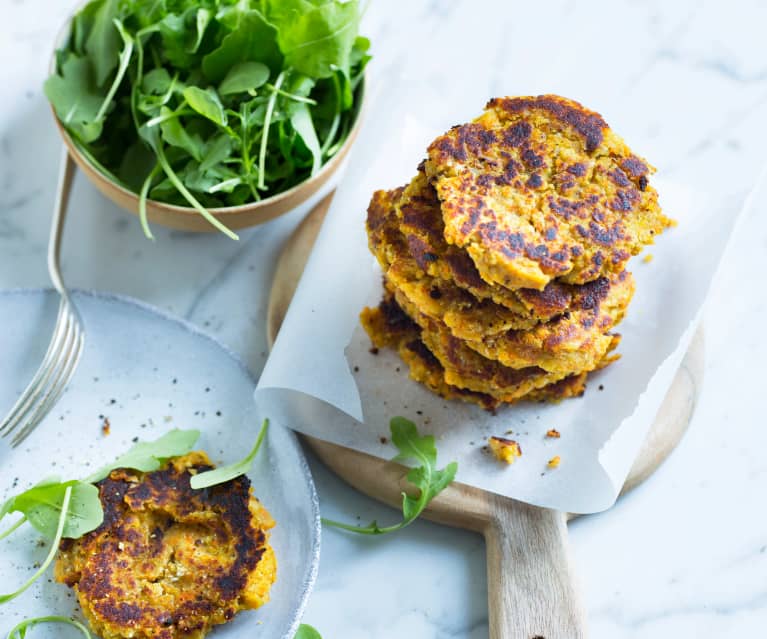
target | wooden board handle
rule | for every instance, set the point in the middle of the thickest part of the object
(531, 591)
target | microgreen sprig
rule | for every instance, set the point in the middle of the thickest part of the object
(425, 477)
(223, 474)
(19, 631)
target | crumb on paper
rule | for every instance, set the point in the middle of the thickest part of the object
(554, 462)
(647, 258)
(374, 350)
(106, 427)
(505, 450)
(553, 433)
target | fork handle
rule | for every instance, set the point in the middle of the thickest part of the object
(66, 175)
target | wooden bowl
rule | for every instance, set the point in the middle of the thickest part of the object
(186, 218)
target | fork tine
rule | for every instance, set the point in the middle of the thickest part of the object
(66, 367)
(40, 391)
(24, 402)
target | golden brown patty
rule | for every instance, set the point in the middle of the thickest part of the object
(170, 562)
(466, 316)
(420, 216)
(538, 188)
(465, 367)
(576, 341)
(388, 326)
(588, 311)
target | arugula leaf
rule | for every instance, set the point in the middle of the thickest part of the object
(178, 37)
(426, 477)
(305, 631)
(243, 77)
(253, 39)
(206, 103)
(216, 151)
(103, 42)
(223, 474)
(149, 456)
(156, 81)
(19, 631)
(302, 123)
(42, 506)
(174, 133)
(316, 38)
(75, 98)
(203, 20)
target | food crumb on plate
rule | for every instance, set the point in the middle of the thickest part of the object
(553, 433)
(554, 462)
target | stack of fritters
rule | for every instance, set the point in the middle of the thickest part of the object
(504, 258)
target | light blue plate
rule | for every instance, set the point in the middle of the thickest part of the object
(147, 373)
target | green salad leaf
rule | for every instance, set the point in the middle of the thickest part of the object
(223, 474)
(429, 480)
(210, 103)
(149, 456)
(244, 77)
(306, 631)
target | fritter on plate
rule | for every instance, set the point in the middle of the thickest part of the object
(538, 188)
(170, 562)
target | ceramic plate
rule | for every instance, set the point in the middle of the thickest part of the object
(146, 373)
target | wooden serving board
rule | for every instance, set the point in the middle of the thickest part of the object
(531, 585)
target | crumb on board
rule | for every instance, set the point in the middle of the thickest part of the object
(106, 426)
(647, 258)
(374, 350)
(505, 450)
(383, 440)
(553, 433)
(554, 462)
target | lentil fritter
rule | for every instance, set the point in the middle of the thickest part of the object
(504, 257)
(516, 338)
(388, 326)
(170, 562)
(538, 188)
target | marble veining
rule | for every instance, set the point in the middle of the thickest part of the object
(685, 555)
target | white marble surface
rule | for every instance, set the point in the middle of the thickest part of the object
(683, 556)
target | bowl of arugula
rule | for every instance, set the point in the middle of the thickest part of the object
(209, 114)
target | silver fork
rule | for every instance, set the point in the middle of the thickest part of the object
(66, 345)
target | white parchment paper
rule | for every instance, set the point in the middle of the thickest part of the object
(322, 380)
